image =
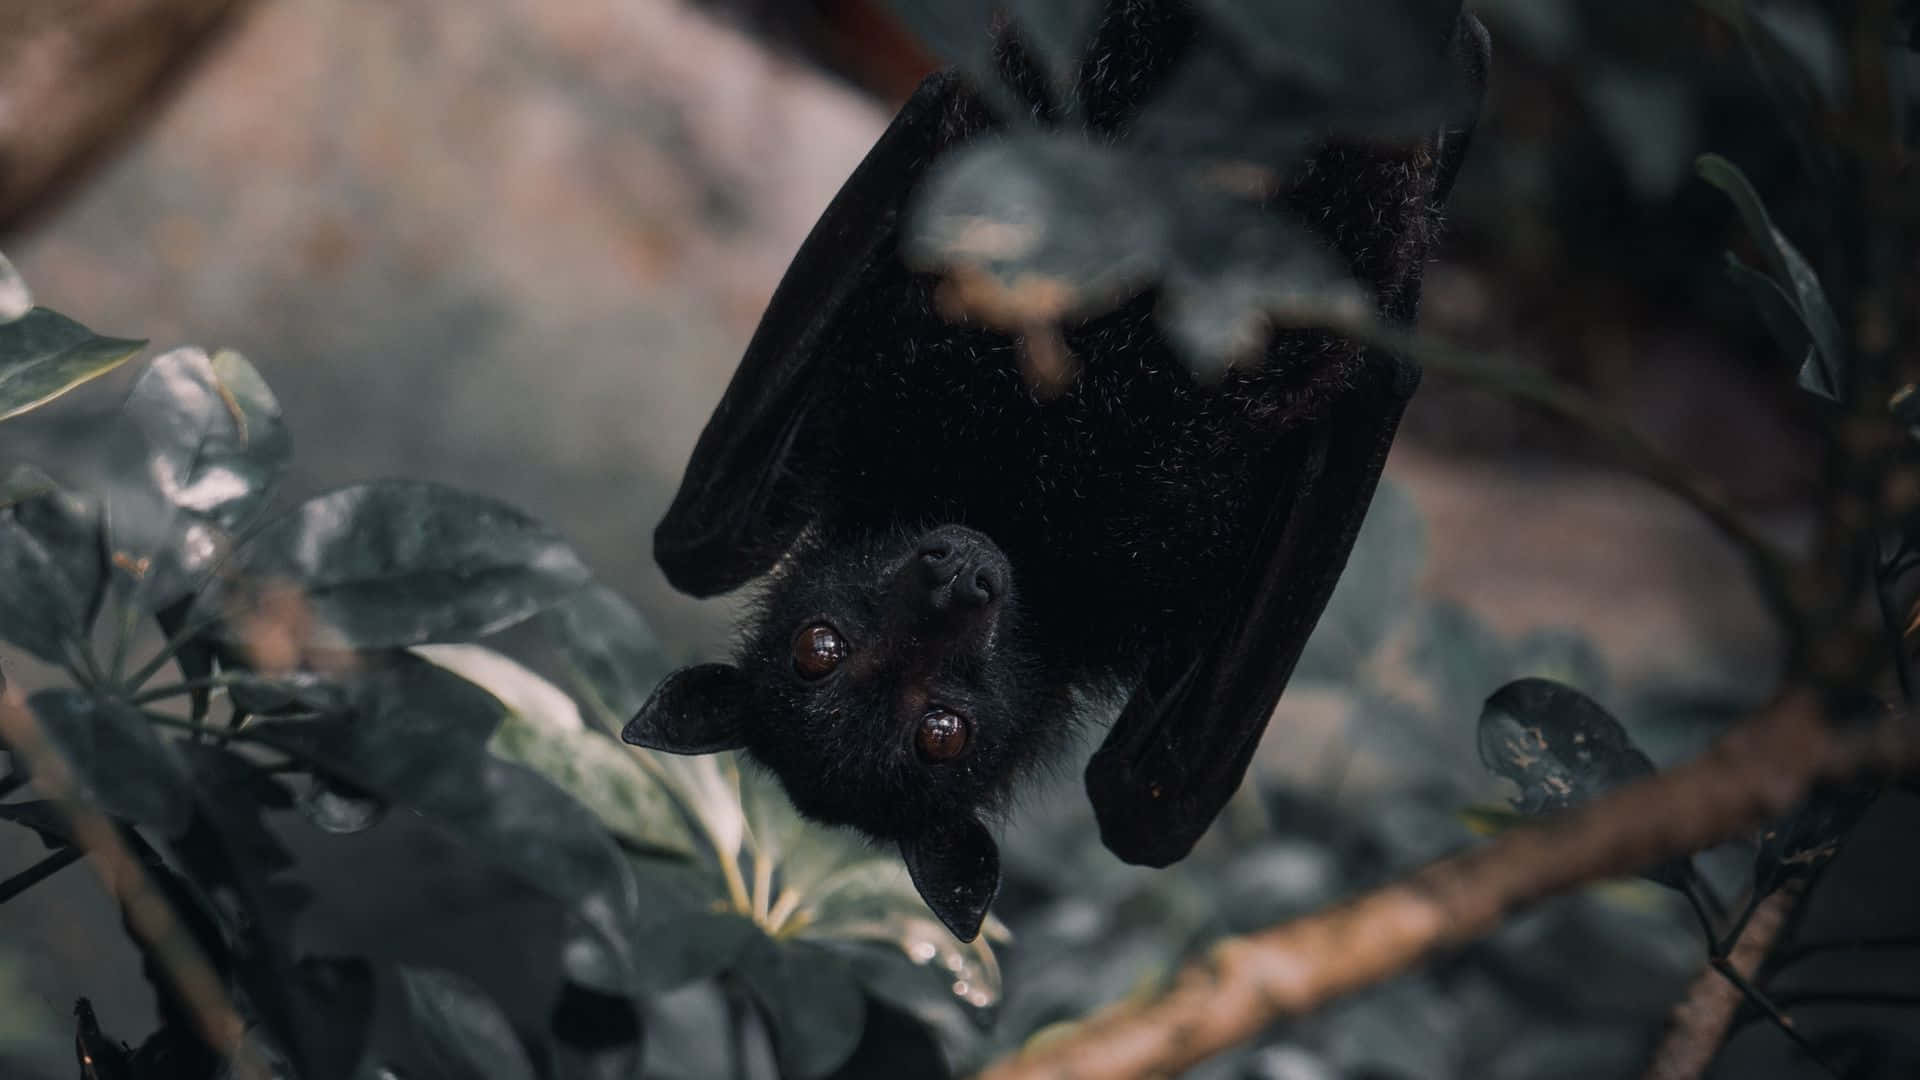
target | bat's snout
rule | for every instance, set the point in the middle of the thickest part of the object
(957, 572)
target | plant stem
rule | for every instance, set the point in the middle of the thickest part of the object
(186, 633)
(39, 872)
(176, 689)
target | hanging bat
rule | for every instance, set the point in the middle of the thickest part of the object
(958, 570)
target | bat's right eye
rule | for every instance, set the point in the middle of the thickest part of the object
(817, 650)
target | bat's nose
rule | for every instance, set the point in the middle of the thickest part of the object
(960, 569)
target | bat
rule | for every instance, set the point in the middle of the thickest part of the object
(957, 570)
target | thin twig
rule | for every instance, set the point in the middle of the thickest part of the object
(1699, 1023)
(147, 911)
(1751, 775)
(38, 872)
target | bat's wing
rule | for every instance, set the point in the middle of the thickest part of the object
(1184, 740)
(1186, 736)
(739, 506)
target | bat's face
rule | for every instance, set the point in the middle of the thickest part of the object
(887, 684)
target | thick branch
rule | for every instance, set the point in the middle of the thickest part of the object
(74, 72)
(1750, 776)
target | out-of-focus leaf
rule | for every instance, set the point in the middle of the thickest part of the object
(815, 1009)
(120, 763)
(52, 566)
(465, 1033)
(1561, 654)
(1805, 840)
(1828, 377)
(1266, 79)
(1058, 31)
(26, 1024)
(1034, 230)
(1459, 654)
(340, 808)
(15, 299)
(697, 945)
(418, 740)
(961, 33)
(1648, 116)
(44, 355)
(1050, 227)
(397, 563)
(1806, 35)
(217, 448)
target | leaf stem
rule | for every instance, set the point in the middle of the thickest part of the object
(210, 682)
(39, 872)
(186, 633)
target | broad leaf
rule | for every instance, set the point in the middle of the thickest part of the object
(15, 299)
(811, 1001)
(44, 355)
(595, 1036)
(1828, 377)
(466, 1035)
(418, 740)
(216, 449)
(391, 564)
(1562, 749)
(1782, 320)
(52, 566)
(544, 732)
(120, 764)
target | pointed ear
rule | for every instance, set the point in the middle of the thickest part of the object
(697, 710)
(957, 870)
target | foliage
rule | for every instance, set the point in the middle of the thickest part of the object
(327, 667)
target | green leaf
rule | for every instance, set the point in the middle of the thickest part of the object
(120, 763)
(465, 1034)
(812, 1003)
(418, 739)
(1562, 749)
(1792, 271)
(544, 732)
(44, 355)
(217, 450)
(1783, 322)
(52, 566)
(339, 808)
(15, 299)
(397, 563)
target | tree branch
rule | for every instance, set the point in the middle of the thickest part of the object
(1751, 775)
(1699, 1023)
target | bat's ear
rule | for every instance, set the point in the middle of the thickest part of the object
(697, 710)
(957, 870)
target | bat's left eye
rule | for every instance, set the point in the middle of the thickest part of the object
(943, 735)
(817, 650)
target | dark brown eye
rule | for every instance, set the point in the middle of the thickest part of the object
(943, 735)
(817, 650)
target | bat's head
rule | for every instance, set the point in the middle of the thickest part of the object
(888, 684)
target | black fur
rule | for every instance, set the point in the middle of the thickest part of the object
(1169, 542)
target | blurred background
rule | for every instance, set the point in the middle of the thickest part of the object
(518, 247)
